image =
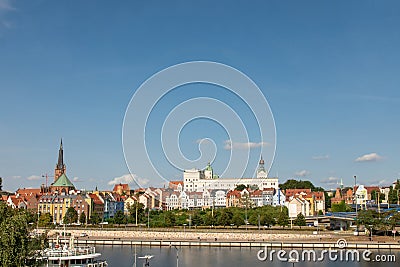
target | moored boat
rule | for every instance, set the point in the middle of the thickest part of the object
(67, 255)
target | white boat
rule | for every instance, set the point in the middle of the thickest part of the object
(70, 256)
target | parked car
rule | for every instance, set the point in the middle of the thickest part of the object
(83, 235)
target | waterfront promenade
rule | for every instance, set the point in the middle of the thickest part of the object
(194, 235)
(226, 238)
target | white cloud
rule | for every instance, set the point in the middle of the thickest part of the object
(16, 177)
(5, 5)
(129, 179)
(34, 178)
(381, 182)
(75, 179)
(247, 145)
(321, 157)
(302, 173)
(330, 180)
(368, 157)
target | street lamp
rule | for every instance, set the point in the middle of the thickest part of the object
(355, 195)
(148, 219)
(370, 226)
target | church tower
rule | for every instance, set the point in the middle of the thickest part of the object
(208, 172)
(261, 173)
(60, 167)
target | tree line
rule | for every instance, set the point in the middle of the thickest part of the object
(17, 245)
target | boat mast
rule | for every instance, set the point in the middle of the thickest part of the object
(134, 263)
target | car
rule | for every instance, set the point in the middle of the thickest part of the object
(83, 235)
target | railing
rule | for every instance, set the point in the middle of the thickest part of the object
(98, 264)
(79, 251)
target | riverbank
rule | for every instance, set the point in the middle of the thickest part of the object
(225, 239)
(192, 235)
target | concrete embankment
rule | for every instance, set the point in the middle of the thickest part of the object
(217, 239)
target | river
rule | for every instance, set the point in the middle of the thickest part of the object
(123, 256)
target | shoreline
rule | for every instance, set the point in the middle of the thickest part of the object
(221, 239)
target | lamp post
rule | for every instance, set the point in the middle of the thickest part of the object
(37, 223)
(148, 219)
(370, 230)
(355, 195)
(245, 221)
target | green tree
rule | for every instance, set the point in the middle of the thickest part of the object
(71, 216)
(45, 220)
(394, 193)
(181, 217)
(169, 219)
(224, 218)
(240, 187)
(137, 211)
(15, 244)
(82, 218)
(375, 194)
(300, 220)
(237, 219)
(197, 219)
(5, 212)
(369, 217)
(267, 220)
(253, 218)
(299, 184)
(283, 219)
(95, 218)
(254, 187)
(14, 241)
(340, 207)
(209, 219)
(120, 217)
(394, 219)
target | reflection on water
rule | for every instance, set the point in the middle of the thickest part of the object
(123, 256)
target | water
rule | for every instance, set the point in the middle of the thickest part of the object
(123, 256)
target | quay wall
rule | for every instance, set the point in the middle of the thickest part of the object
(215, 239)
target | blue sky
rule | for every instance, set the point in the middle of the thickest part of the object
(329, 70)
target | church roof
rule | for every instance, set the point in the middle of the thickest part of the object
(63, 181)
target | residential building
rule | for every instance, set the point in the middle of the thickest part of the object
(56, 205)
(315, 199)
(129, 202)
(97, 205)
(298, 205)
(16, 202)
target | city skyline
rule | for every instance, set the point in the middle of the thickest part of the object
(327, 70)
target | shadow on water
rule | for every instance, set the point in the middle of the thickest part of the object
(123, 256)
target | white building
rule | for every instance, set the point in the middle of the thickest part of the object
(362, 196)
(298, 205)
(195, 180)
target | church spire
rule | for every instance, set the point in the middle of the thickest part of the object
(60, 163)
(60, 167)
